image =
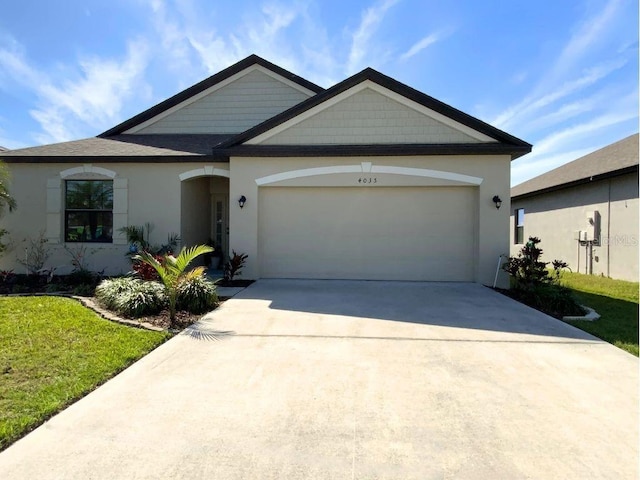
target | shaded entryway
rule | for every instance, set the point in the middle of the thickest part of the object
(205, 213)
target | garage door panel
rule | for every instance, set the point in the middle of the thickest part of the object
(415, 233)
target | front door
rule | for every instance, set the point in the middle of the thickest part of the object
(220, 223)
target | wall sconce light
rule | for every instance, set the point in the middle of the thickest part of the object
(497, 200)
(242, 200)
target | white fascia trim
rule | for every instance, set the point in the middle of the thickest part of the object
(206, 171)
(87, 168)
(218, 86)
(383, 91)
(367, 167)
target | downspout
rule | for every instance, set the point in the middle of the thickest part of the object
(609, 231)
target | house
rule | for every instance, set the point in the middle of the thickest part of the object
(585, 212)
(369, 179)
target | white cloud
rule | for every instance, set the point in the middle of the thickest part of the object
(96, 98)
(554, 142)
(568, 143)
(419, 46)
(522, 111)
(371, 19)
(586, 35)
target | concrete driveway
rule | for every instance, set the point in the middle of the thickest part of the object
(337, 379)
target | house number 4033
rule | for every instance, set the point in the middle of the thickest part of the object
(364, 180)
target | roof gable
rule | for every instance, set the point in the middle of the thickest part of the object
(614, 159)
(369, 114)
(187, 97)
(480, 132)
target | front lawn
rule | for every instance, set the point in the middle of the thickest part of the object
(52, 352)
(617, 303)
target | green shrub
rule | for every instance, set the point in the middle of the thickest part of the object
(81, 277)
(18, 288)
(84, 290)
(528, 270)
(197, 295)
(533, 284)
(552, 299)
(54, 287)
(131, 297)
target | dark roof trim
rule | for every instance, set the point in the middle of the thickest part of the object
(391, 84)
(582, 181)
(117, 159)
(205, 84)
(370, 150)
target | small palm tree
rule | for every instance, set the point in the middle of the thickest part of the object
(172, 271)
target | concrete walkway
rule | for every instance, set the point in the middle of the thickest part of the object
(342, 380)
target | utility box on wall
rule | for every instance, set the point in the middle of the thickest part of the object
(592, 227)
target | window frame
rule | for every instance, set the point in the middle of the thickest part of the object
(97, 212)
(518, 226)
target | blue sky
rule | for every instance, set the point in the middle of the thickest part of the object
(562, 75)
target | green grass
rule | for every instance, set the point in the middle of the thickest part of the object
(617, 303)
(52, 352)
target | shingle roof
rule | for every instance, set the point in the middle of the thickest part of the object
(613, 159)
(124, 146)
(509, 143)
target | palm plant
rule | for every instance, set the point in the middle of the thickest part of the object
(172, 271)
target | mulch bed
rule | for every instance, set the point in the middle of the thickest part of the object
(161, 320)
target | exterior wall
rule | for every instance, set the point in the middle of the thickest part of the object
(233, 108)
(491, 224)
(368, 117)
(555, 217)
(152, 195)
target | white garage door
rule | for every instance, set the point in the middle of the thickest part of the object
(394, 233)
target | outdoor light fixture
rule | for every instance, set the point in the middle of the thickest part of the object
(242, 200)
(497, 201)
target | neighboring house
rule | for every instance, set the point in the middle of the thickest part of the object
(585, 212)
(369, 179)
(2, 149)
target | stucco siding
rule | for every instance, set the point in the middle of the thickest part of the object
(153, 195)
(555, 217)
(234, 108)
(368, 117)
(490, 226)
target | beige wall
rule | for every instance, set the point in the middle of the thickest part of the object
(492, 225)
(233, 108)
(153, 194)
(156, 194)
(555, 217)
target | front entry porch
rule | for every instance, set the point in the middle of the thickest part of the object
(205, 215)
